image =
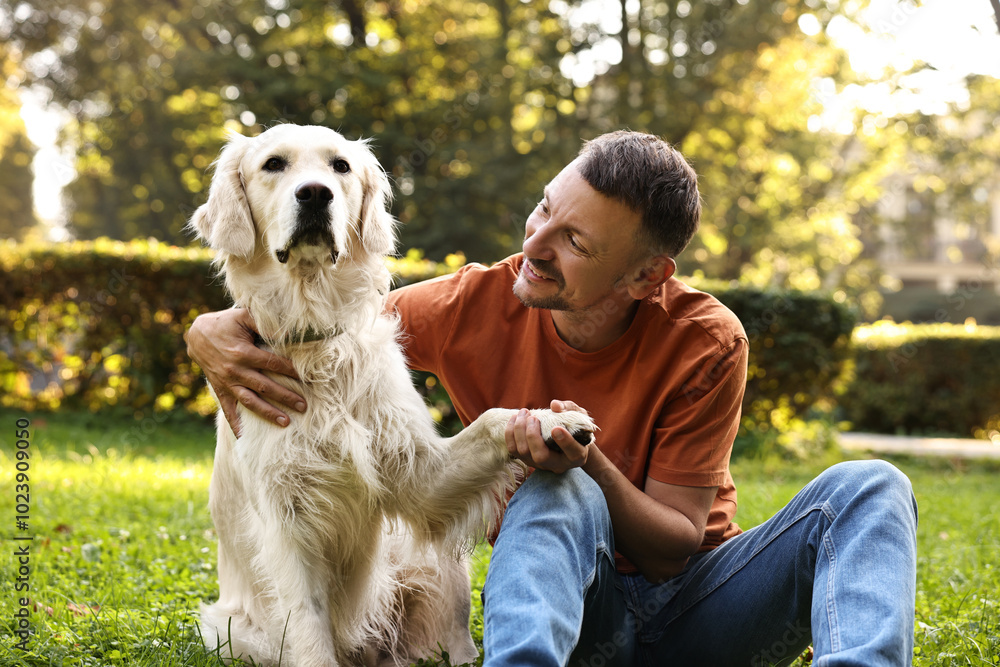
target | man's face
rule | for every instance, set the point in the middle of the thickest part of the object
(578, 246)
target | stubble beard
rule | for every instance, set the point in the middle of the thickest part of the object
(558, 302)
(554, 302)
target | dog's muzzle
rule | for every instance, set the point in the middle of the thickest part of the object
(312, 224)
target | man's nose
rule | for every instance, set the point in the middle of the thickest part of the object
(536, 239)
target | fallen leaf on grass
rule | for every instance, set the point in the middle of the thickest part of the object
(39, 607)
(78, 610)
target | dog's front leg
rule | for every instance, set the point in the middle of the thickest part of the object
(302, 599)
(474, 471)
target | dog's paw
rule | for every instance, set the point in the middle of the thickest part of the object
(579, 425)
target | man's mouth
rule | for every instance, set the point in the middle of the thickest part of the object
(533, 275)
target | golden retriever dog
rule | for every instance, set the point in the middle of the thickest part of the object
(342, 537)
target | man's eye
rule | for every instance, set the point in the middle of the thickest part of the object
(341, 166)
(544, 207)
(576, 246)
(275, 164)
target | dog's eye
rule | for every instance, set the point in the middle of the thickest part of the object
(275, 164)
(341, 166)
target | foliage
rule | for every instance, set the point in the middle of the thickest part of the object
(16, 153)
(96, 324)
(154, 88)
(950, 167)
(124, 549)
(474, 106)
(778, 210)
(799, 348)
(100, 324)
(925, 378)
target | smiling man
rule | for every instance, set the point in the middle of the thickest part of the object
(625, 552)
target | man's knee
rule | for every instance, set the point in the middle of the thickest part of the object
(879, 479)
(573, 492)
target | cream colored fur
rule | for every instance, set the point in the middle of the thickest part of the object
(341, 536)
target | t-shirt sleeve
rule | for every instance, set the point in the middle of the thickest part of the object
(427, 311)
(694, 434)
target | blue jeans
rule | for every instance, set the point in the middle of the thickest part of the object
(836, 568)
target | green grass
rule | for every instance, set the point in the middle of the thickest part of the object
(124, 551)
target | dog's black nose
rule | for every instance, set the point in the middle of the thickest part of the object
(314, 195)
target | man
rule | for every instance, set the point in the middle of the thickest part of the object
(625, 552)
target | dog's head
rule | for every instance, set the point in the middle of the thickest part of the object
(297, 194)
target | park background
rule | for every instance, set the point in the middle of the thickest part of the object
(848, 159)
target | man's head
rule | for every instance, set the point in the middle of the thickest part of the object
(649, 176)
(609, 225)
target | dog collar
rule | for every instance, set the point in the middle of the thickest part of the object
(311, 335)
(307, 335)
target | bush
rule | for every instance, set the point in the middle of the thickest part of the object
(799, 351)
(99, 324)
(931, 379)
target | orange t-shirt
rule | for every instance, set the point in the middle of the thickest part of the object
(666, 395)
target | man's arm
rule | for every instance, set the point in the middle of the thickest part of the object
(657, 528)
(223, 345)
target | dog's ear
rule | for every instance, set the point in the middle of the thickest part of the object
(224, 221)
(377, 224)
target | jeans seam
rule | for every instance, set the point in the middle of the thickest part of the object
(830, 548)
(600, 552)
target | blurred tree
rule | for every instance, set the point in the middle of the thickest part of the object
(473, 107)
(114, 66)
(780, 192)
(440, 83)
(952, 160)
(739, 87)
(17, 215)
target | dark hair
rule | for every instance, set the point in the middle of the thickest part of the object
(651, 177)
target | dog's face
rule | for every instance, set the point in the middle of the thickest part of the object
(297, 194)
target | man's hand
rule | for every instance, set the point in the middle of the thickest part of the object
(526, 442)
(223, 345)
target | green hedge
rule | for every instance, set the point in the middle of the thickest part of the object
(98, 324)
(800, 350)
(799, 346)
(931, 379)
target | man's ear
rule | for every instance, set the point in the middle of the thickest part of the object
(224, 221)
(653, 272)
(377, 226)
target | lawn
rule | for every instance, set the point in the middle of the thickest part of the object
(123, 548)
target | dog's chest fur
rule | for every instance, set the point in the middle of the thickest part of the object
(349, 443)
